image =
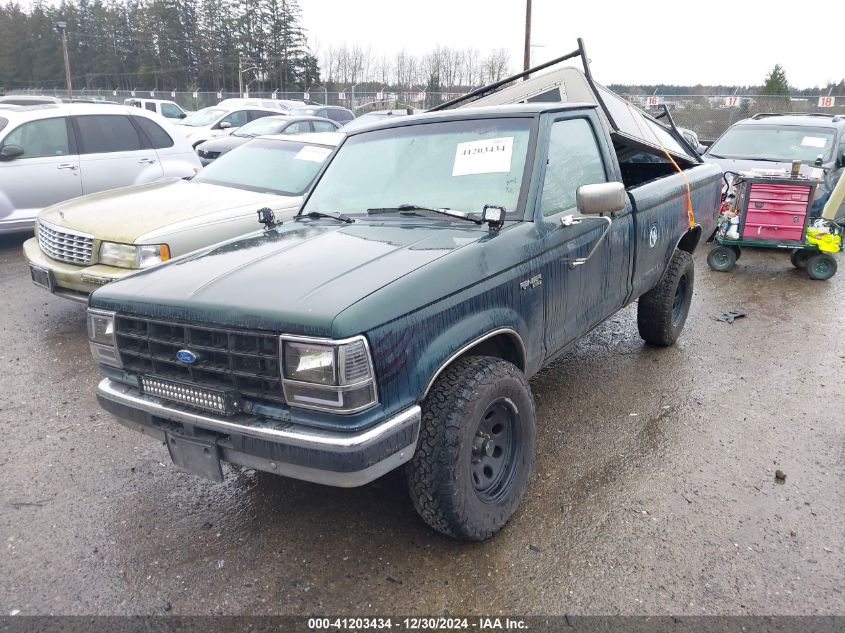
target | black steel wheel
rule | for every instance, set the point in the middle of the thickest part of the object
(799, 258)
(722, 258)
(821, 266)
(475, 448)
(495, 450)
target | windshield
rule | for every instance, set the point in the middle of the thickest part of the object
(206, 116)
(260, 127)
(267, 166)
(777, 143)
(460, 165)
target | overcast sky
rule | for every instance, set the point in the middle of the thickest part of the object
(709, 42)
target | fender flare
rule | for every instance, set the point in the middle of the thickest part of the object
(508, 331)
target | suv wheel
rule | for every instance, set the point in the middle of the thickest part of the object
(475, 449)
(662, 311)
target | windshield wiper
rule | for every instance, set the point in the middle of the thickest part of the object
(403, 208)
(316, 215)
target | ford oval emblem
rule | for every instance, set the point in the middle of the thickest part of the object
(187, 356)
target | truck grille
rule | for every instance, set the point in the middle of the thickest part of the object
(64, 245)
(227, 360)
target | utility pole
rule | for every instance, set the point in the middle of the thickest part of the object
(527, 60)
(240, 78)
(60, 28)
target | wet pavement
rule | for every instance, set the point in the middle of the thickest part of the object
(653, 490)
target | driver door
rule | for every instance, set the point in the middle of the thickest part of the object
(578, 296)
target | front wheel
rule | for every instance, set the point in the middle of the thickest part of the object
(475, 448)
(662, 311)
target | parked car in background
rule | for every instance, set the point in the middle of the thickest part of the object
(284, 124)
(220, 120)
(772, 141)
(276, 104)
(85, 243)
(27, 100)
(335, 113)
(163, 107)
(51, 153)
(375, 116)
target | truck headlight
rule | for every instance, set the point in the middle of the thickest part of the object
(133, 255)
(101, 337)
(328, 375)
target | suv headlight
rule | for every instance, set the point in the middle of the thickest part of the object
(133, 255)
(101, 337)
(328, 375)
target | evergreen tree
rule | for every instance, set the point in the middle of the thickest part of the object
(776, 83)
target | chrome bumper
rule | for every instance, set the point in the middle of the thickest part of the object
(321, 456)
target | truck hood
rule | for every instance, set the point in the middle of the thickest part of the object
(123, 215)
(295, 279)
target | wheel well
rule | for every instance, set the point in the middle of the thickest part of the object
(506, 345)
(690, 240)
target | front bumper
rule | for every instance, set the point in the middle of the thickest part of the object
(326, 457)
(72, 281)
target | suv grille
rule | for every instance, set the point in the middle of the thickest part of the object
(228, 360)
(64, 245)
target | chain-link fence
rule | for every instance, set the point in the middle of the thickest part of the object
(707, 115)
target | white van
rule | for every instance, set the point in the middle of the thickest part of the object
(163, 107)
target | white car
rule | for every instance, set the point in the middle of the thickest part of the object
(163, 107)
(51, 153)
(220, 120)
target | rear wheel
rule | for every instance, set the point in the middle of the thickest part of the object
(475, 448)
(662, 311)
(799, 258)
(722, 258)
(821, 266)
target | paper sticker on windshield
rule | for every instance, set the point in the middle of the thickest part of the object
(483, 157)
(814, 141)
(312, 153)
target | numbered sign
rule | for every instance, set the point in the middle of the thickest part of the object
(306, 96)
(114, 93)
(132, 93)
(196, 94)
(246, 94)
(827, 102)
(653, 101)
(341, 96)
(731, 102)
(172, 94)
(274, 95)
(380, 96)
(152, 93)
(219, 95)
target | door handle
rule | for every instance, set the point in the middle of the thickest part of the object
(147, 161)
(70, 166)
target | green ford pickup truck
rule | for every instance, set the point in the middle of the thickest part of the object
(439, 262)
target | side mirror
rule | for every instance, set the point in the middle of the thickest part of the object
(183, 115)
(10, 152)
(605, 197)
(224, 125)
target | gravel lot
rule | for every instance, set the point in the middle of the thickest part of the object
(653, 491)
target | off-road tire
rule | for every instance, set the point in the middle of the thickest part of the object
(662, 311)
(722, 258)
(440, 475)
(799, 258)
(821, 266)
